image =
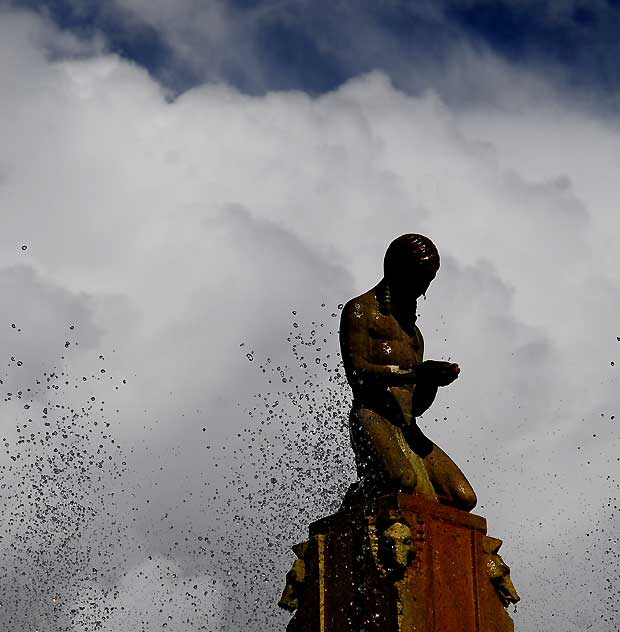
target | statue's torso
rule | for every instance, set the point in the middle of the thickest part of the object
(391, 341)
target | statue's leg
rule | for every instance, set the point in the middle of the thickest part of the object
(379, 456)
(449, 482)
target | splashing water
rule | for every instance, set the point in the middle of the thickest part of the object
(87, 544)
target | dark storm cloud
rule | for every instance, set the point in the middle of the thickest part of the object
(125, 35)
(315, 46)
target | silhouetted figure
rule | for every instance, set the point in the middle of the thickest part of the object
(382, 351)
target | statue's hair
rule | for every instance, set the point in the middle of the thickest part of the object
(405, 252)
(408, 249)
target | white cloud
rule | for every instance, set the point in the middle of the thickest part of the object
(171, 232)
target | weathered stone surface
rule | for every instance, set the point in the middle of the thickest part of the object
(401, 564)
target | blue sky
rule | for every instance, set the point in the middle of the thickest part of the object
(190, 189)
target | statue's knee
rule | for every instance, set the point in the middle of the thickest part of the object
(466, 498)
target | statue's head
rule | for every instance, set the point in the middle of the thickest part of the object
(410, 264)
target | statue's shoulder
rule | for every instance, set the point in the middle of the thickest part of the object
(360, 306)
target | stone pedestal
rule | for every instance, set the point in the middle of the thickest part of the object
(400, 564)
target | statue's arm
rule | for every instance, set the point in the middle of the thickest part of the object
(354, 345)
(425, 392)
(423, 398)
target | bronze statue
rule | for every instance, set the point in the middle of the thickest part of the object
(382, 352)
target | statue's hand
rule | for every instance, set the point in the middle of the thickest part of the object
(396, 369)
(406, 376)
(437, 372)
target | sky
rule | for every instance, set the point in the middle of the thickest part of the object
(189, 193)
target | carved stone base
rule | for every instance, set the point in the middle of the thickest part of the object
(401, 564)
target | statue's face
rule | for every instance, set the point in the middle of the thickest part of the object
(412, 281)
(397, 545)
